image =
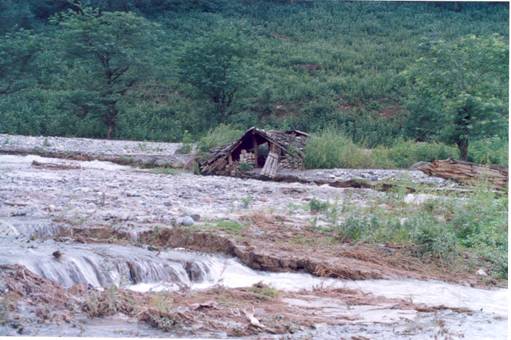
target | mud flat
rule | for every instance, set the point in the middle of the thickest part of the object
(95, 248)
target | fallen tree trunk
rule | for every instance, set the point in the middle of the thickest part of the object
(467, 173)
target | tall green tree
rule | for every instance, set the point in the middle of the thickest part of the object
(107, 54)
(459, 90)
(18, 54)
(214, 66)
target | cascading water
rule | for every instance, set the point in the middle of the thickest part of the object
(29, 227)
(101, 265)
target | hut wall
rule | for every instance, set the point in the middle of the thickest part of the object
(289, 162)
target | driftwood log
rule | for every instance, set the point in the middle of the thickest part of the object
(466, 172)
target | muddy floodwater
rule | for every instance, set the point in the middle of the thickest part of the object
(74, 230)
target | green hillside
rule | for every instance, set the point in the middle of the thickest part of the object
(173, 69)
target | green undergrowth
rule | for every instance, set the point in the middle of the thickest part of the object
(229, 226)
(330, 149)
(441, 228)
(220, 135)
(264, 292)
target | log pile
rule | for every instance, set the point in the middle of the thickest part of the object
(289, 162)
(247, 157)
(467, 173)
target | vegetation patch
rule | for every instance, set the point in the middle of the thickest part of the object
(330, 149)
(440, 229)
(229, 226)
(263, 291)
(221, 135)
(393, 73)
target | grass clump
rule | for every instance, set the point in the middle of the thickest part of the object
(264, 291)
(220, 135)
(229, 226)
(316, 205)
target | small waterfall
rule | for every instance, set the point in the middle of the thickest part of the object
(101, 265)
(29, 227)
(104, 265)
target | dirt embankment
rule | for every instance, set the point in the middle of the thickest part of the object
(269, 246)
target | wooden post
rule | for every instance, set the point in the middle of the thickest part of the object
(254, 143)
(272, 162)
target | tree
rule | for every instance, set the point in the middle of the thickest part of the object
(107, 53)
(214, 66)
(18, 52)
(459, 90)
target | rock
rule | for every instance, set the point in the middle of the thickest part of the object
(195, 272)
(57, 254)
(195, 217)
(186, 220)
(132, 194)
(481, 272)
(153, 248)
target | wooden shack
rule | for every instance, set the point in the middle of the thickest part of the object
(257, 149)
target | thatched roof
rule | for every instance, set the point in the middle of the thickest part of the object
(291, 142)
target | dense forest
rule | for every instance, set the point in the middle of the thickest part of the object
(378, 73)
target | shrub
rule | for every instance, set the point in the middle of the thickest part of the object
(220, 135)
(316, 205)
(355, 228)
(489, 151)
(481, 223)
(432, 238)
(404, 154)
(330, 149)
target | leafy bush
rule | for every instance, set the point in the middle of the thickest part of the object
(316, 205)
(489, 151)
(432, 238)
(404, 154)
(355, 228)
(329, 149)
(481, 223)
(220, 135)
